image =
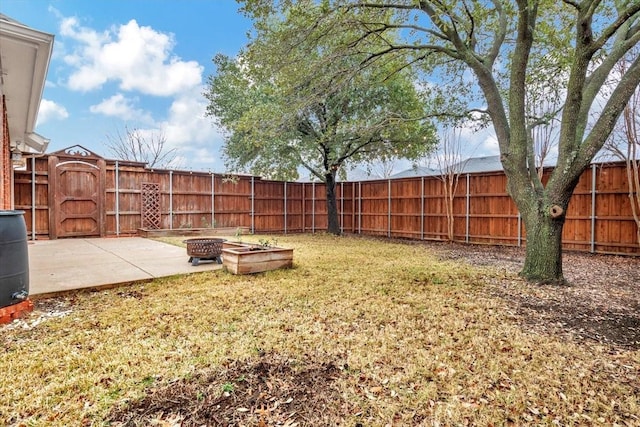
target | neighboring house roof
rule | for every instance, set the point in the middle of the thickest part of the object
(353, 175)
(24, 60)
(472, 165)
(417, 171)
(358, 174)
(479, 164)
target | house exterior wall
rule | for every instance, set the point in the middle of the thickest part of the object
(6, 169)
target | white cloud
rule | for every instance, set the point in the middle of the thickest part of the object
(489, 146)
(137, 57)
(49, 110)
(122, 107)
(141, 62)
(205, 155)
(477, 141)
(187, 123)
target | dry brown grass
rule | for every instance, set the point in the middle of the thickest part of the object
(404, 339)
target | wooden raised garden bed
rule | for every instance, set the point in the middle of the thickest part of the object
(247, 259)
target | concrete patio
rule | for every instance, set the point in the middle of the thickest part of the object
(68, 264)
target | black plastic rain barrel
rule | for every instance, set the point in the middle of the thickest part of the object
(14, 258)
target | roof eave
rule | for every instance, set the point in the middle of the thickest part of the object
(24, 63)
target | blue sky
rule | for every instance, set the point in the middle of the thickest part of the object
(144, 64)
(139, 63)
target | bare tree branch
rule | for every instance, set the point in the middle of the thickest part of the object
(140, 146)
(624, 144)
(449, 161)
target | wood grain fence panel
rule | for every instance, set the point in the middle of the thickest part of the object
(339, 204)
(269, 206)
(315, 207)
(34, 204)
(375, 208)
(232, 202)
(191, 199)
(77, 192)
(321, 220)
(627, 243)
(493, 218)
(22, 194)
(22, 190)
(347, 195)
(42, 210)
(294, 208)
(180, 200)
(416, 208)
(460, 213)
(307, 206)
(615, 226)
(129, 200)
(406, 208)
(435, 214)
(577, 228)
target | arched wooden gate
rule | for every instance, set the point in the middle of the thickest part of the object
(76, 193)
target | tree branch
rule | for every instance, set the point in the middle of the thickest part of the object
(611, 112)
(572, 3)
(623, 19)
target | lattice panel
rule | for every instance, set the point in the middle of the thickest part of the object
(150, 205)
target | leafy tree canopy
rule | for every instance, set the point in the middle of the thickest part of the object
(278, 116)
(490, 59)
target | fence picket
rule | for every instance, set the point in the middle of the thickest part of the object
(599, 218)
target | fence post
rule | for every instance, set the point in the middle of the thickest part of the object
(519, 229)
(253, 196)
(170, 200)
(304, 207)
(33, 198)
(285, 207)
(468, 208)
(593, 207)
(353, 207)
(313, 207)
(388, 208)
(117, 201)
(341, 207)
(359, 207)
(422, 208)
(213, 200)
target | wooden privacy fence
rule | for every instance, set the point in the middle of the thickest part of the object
(599, 217)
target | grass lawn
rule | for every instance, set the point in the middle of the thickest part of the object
(361, 332)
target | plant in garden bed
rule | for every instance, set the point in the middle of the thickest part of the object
(266, 244)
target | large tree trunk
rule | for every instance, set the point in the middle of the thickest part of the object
(543, 212)
(332, 206)
(543, 261)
